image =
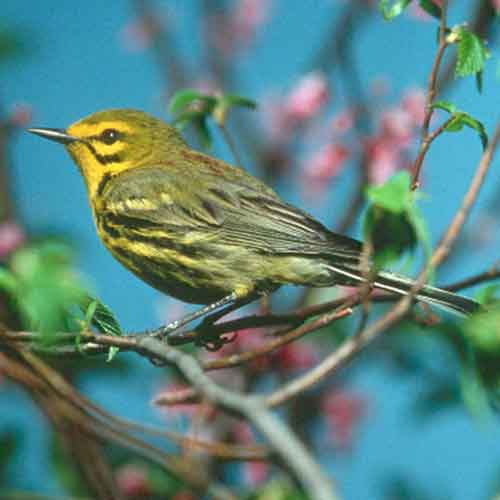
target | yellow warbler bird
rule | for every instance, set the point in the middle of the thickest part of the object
(201, 230)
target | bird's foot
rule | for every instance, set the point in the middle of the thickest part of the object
(210, 339)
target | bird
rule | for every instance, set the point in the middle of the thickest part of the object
(203, 231)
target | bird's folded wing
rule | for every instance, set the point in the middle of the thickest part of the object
(229, 212)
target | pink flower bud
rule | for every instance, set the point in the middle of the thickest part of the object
(343, 121)
(326, 163)
(20, 115)
(255, 473)
(242, 433)
(397, 126)
(306, 99)
(295, 356)
(11, 237)
(383, 160)
(248, 16)
(237, 28)
(138, 35)
(131, 480)
(414, 104)
(342, 411)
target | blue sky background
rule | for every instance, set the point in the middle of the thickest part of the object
(78, 65)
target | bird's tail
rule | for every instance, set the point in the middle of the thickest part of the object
(396, 283)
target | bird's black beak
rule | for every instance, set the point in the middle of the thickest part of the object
(54, 134)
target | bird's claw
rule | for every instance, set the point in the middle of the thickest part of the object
(213, 341)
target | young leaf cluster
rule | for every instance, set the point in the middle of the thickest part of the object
(194, 108)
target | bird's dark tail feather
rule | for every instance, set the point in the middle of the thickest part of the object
(396, 283)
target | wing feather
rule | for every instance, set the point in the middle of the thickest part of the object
(233, 212)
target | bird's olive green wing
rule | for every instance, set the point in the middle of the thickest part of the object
(235, 209)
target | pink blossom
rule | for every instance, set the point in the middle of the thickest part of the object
(306, 99)
(397, 126)
(255, 473)
(342, 412)
(343, 122)
(495, 4)
(295, 356)
(276, 121)
(236, 29)
(248, 16)
(20, 114)
(413, 103)
(138, 35)
(131, 480)
(11, 238)
(242, 432)
(382, 158)
(326, 163)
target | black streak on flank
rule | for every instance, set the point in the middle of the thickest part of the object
(130, 221)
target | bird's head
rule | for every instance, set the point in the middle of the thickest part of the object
(112, 141)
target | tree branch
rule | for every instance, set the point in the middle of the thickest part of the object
(353, 345)
(425, 137)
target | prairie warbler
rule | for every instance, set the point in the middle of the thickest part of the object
(201, 230)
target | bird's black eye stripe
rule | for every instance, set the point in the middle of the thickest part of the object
(109, 136)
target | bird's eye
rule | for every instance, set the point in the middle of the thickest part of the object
(109, 136)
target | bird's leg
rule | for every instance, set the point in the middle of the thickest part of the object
(175, 325)
(211, 340)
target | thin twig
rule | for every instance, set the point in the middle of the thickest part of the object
(354, 344)
(488, 275)
(231, 145)
(425, 137)
(279, 341)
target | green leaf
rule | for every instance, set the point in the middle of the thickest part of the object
(431, 8)
(100, 316)
(444, 105)
(183, 99)
(483, 329)
(394, 195)
(392, 222)
(198, 121)
(391, 234)
(46, 288)
(232, 100)
(455, 124)
(226, 102)
(471, 55)
(479, 81)
(8, 281)
(473, 390)
(391, 10)
(487, 294)
(277, 489)
(476, 125)
(459, 119)
(112, 352)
